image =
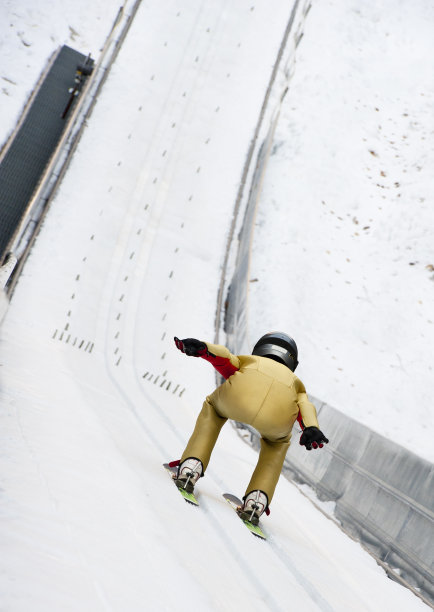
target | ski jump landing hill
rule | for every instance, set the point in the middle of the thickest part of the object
(93, 395)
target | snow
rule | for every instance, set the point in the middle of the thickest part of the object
(93, 394)
(347, 200)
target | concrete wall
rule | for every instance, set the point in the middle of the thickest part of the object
(384, 494)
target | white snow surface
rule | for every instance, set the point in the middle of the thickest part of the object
(93, 394)
(343, 249)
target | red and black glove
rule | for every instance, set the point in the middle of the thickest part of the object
(312, 437)
(191, 347)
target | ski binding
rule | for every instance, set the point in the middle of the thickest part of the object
(236, 504)
(189, 497)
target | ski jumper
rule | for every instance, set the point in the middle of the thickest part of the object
(260, 392)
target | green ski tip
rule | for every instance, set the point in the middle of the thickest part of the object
(255, 529)
(189, 497)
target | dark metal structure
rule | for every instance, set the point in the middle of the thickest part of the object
(41, 128)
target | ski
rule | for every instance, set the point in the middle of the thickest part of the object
(189, 497)
(236, 503)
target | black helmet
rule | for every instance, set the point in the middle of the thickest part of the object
(277, 346)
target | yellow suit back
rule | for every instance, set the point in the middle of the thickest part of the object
(266, 395)
(259, 392)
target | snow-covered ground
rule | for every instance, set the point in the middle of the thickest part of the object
(93, 394)
(343, 251)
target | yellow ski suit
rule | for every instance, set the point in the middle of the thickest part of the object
(259, 392)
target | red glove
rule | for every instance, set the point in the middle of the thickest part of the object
(191, 347)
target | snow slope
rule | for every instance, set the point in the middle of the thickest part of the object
(347, 200)
(94, 396)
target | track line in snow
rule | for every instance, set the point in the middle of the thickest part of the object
(218, 528)
(303, 581)
(285, 558)
(214, 522)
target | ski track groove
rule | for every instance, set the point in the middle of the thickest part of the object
(218, 528)
(237, 555)
(307, 585)
(216, 525)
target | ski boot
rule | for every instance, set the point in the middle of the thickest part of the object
(189, 472)
(255, 503)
